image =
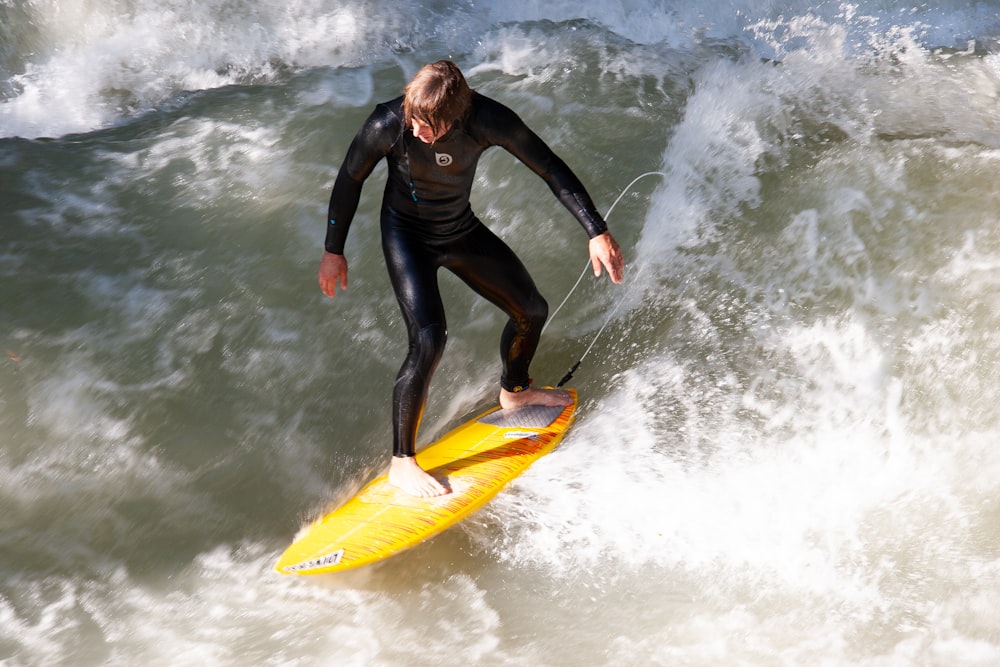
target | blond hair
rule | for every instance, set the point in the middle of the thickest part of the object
(438, 96)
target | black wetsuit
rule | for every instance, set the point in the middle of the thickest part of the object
(427, 223)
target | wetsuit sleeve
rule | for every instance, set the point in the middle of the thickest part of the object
(369, 146)
(512, 134)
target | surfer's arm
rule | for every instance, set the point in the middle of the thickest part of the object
(370, 145)
(507, 130)
(510, 132)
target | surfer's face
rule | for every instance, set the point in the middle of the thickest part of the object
(425, 132)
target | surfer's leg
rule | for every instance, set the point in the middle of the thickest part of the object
(413, 274)
(491, 268)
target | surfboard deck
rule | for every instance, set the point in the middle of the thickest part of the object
(475, 460)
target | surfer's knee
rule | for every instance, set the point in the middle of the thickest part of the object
(535, 312)
(528, 313)
(427, 346)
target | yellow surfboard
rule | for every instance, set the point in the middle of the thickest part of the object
(475, 461)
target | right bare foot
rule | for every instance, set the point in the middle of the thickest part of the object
(406, 475)
(535, 396)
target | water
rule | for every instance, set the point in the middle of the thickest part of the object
(786, 450)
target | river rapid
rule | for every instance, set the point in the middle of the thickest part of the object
(786, 452)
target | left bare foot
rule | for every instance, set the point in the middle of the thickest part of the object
(533, 396)
(405, 474)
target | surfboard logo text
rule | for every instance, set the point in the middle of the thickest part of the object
(315, 563)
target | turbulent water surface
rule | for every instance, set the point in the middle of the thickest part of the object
(787, 446)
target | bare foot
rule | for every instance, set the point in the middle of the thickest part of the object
(406, 475)
(533, 396)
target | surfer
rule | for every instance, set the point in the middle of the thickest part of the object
(432, 137)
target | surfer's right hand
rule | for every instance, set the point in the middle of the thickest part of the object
(332, 270)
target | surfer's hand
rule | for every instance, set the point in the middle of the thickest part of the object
(332, 270)
(604, 252)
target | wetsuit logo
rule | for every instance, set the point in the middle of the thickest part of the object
(443, 159)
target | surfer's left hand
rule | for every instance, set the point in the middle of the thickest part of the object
(604, 252)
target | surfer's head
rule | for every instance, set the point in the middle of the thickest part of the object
(435, 99)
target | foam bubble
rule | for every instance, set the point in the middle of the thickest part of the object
(98, 64)
(208, 614)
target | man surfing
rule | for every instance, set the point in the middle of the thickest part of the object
(432, 137)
